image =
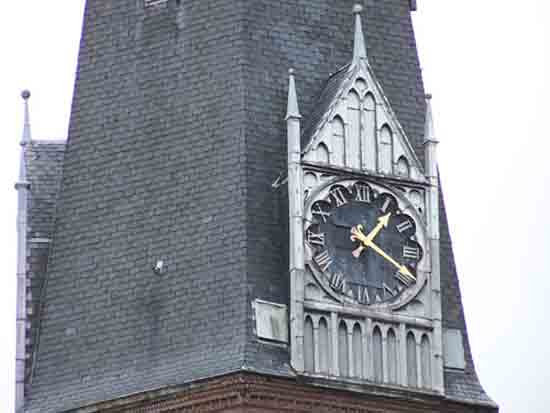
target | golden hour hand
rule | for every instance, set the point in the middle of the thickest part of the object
(358, 235)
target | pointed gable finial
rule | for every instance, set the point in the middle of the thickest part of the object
(359, 45)
(26, 137)
(429, 130)
(430, 144)
(292, 110)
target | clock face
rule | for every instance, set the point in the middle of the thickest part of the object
(363, 247)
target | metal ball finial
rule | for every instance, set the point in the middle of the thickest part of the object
(26, 94)
(291, 71)
(357, 9)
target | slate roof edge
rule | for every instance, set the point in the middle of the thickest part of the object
(168, 390)
(326, 102)
(310, 125)
(149, 394)
(49, 142)
(41, 146)
(472, 402)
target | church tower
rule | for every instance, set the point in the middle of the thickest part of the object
(246, 217)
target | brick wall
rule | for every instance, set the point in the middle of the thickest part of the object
(250, 393)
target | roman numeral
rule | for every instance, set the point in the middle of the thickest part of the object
(339, 196)
(317, 211)
(386, 204)
(412, 253)
(323, 260)
(316, 239)
(362, 193)
(407, 281)
(363, 296)
(388, 291)
(338, 282)
(404, 226)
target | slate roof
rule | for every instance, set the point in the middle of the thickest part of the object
(177, 132)
(325, 100)
(44, 162)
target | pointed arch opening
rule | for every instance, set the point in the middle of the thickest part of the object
(360, 84)
(377, 354)
(412, 373)
(343, 356)
(370, 102)
(324, 351)
(403, 168)
(357, 348)
(353, 143)
(426, 366)
(322, 153)
(392, 356)
(369, 132)
(309, 346)
(386, 145)
(339, 141)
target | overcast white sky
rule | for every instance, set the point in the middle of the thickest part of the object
(487, 64)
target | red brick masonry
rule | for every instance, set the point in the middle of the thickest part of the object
(253, 393)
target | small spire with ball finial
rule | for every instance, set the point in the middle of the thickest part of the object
(26, 137)
(429, 130)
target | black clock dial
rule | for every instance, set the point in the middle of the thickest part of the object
(363, 244)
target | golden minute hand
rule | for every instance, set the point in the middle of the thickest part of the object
(403, 270)
(357, 234)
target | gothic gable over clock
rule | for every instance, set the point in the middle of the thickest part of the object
(364, 240)
(354, 127)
